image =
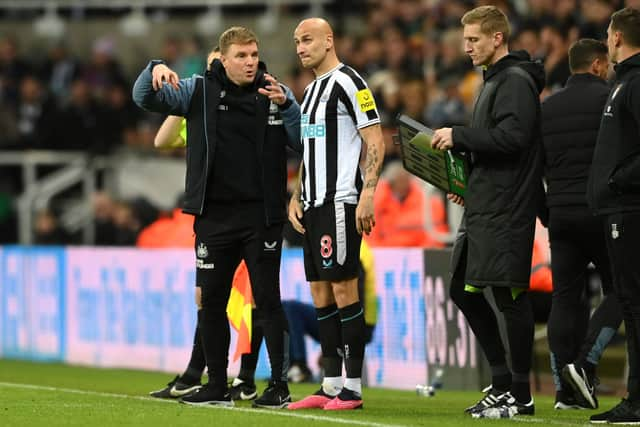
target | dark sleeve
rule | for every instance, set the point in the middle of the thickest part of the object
(514, 112)
(627, 176)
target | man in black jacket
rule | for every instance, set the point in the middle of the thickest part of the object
(238, 120)
(570, 122)
(495, 240)
(613, 192)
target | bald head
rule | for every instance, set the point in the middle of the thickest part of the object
(314, 45)
(317, 25)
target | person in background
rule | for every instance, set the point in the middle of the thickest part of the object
(401, 209)
(570, 122)
(613, 193)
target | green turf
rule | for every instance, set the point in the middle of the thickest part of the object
(39, 394)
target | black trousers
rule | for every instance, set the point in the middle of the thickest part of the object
(577, 239)
(622, 233)
(226, 234)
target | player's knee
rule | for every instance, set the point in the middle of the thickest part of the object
(322, 294)
(346, 292)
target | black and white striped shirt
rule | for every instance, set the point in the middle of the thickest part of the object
(335, 106)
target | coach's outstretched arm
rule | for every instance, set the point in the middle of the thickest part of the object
(372, 136)
(158, 89)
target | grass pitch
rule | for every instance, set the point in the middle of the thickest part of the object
(40, 394)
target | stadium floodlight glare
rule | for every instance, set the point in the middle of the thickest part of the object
(50, 25)
(135, 23)
(210, 24)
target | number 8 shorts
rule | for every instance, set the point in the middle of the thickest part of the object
(331, 243)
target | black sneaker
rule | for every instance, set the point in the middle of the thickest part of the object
(565, 399)
(507, 410)
(209, 395)
(625, 412)
(242, 390)
(492, 398)
(175, 389)
(275, 396)
(583, 385)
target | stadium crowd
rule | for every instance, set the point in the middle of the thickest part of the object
(409, 51)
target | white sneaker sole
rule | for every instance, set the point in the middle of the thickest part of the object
(577, 382)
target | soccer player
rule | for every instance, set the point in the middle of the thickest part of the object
(333, 207)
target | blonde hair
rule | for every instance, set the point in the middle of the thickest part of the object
(236, 35)
(491, 19)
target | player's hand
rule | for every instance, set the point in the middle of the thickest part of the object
(295, 215)
(365, 220)
(161, 74)
(458, 200)
(442, 139)
(273, 90)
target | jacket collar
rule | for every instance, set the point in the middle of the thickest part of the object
(579, 78)
(627, 65)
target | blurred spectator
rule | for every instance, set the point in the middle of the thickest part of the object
(191, 59)
(48, 230)
(34, 114)
(59, 70)
(78, 124)
(528, 38)
(174, 231)
(12, 69)
(103, 70)
(449, 109)
(103, 209)
(413, 95)
(555, 40)
(401, 209)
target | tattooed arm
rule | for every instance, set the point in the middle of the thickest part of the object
(372, 136)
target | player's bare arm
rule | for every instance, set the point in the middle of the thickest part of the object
(295, 204)
(168, 135)
(372, 136)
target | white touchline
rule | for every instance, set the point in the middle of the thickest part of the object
(262, 412)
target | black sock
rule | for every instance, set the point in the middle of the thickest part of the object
(500, 379)
(197, 363)
(330, 330)
(353, 334)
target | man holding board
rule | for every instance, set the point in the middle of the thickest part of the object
(495, 240)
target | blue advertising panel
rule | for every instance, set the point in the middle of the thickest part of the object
(32, 303)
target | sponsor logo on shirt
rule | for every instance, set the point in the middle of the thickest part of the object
(365, 100)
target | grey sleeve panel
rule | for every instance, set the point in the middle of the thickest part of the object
(167, 100)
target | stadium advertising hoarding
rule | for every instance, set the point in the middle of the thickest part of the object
(133, 308)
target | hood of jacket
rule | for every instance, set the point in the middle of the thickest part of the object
(522, 59)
